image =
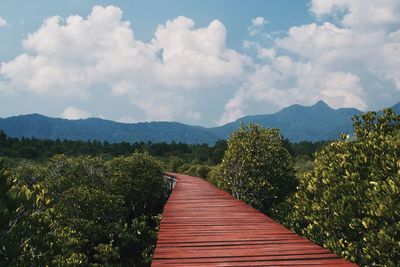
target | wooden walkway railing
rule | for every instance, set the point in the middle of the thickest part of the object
(205, 226)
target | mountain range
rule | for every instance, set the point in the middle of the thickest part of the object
(296, 122)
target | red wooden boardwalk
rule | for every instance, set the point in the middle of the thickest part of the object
(205, 226)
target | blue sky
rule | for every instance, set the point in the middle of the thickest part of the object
(147, 15)
(198, 62)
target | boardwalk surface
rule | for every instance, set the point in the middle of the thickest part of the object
(204, 226)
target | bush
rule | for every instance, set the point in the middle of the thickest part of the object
(174, 163)
(198, 170)
(350, 201)
(256, 167)
(95, 213)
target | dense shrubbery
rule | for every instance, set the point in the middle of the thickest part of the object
(84, 211)
(347, 200)
(198, 170)
(256, 167)
(97, 206)
(304, 149)
(350, 201)
(42, 150)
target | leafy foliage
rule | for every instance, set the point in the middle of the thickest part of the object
(8, 199)
(42, 150)
(350, 201)
(198, 170)
(18, 199)
(256, 167)
(92, 212)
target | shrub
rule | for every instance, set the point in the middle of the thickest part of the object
(256, 167)
(95, 213)
(350, 201)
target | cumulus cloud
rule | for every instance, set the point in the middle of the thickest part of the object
(284, 81)
(71, 57)
(73, 113)
(351, 43)
(196, 57)
(3, 22)
(366, 41)
(354, 42)
(257, 25)
(359, 13)
(266, 53)
(258, 21)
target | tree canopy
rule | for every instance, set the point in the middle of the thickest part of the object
(256, 167)
(350, 201)
(88, 212)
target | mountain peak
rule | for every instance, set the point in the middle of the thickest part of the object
(321, 104)
(29, 116)
(397, 107)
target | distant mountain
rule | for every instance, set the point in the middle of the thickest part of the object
(296, 122)
(43, 127)
(396, 108)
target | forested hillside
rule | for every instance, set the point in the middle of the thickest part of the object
(42, 127)
(91, 203)
(297, 123)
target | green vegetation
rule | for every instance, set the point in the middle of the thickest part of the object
(41, 150)
(104, 130)
(256, 167)
(76, 203)
(347, 200)
(81, 211)
(350, 200)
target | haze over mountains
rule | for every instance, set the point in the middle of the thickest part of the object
(296, 122)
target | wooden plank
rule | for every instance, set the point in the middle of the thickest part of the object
(205, 226)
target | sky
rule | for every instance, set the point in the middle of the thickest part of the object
(198, 62)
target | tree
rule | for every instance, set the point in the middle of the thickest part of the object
(198, 170)
(256, 168)
(17, 202)
(8, 199)
(139, 179)
(174, 163)
(350, 201)
(90, 212)
(218, 151)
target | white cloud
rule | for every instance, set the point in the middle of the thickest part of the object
(257, 25)
(356, 42)
(128, 119)
(314, 41)
(352, 43)
(3, 22)
(359, 13)
(258, 21)
(73, 113)
(390, 67)
(365, 44)
(266, 53)
(234, 109)
(72, 57)
(196, 57)
(283, 82)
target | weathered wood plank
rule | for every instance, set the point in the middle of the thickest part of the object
(205, 226)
